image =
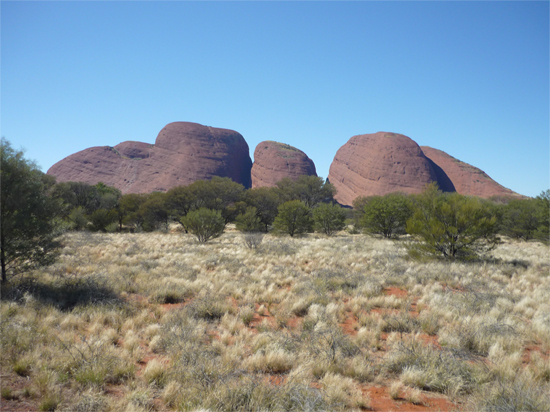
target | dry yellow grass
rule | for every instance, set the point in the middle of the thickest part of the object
(291, 324)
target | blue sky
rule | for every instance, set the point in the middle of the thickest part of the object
(468, 78)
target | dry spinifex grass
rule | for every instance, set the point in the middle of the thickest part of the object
(158, 321)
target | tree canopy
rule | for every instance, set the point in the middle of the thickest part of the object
(27, 230)
(451, 225)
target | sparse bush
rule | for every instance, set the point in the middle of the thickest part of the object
(329, 218)
(253, 240)
(294, 218)
(248, 221)
(27, 232)
(451, 225)
(205, 224)
(386, 215)
(101, 218)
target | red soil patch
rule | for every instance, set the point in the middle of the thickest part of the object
(393, 291)
(277, 380)
(349, 326)
(430, 340)
(172, 306)
(294, 323)
(382, 401)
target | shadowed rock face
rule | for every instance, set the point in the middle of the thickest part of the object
(377, 164)
(183, 153)
(462, 177)
(274, 161)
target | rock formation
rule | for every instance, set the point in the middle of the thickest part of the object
(183, 153)
(274, 161)
(454, 175)
(377, 164)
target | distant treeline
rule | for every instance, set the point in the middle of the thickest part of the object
(103, 208)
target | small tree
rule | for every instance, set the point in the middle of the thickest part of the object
(249, 221)
(266, 201)
(386, 215)
(154, 212)
(311, 190)
(204, 223)
(452, 225)
(128, 209)
(329, 218)
(294, 217)
(101, 218)
(27, 235)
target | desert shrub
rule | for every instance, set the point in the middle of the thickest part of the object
(248, 221)
(101, 218)
(386, 215)
(451, 225)
(27, 232)
(327, 345)
(311, 190)
(77, 218)
(294, 218)
(329, 218)
(520, 219)
(153, 212)
(205, 224)
(253, 240)
(265, 200)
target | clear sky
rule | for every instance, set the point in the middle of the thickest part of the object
(468, 78)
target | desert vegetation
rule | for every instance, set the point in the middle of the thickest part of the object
(160, 321)
(147, 314)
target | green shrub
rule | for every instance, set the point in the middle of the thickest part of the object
(386, 215)
(451, 226)
(102, 218)
(329, 218)
(294, 218)
(205, 224)
(248, 221)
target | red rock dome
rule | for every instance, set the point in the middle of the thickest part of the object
(274, 161)
(377, 164)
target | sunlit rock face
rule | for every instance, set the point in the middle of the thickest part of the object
(183, 153)
(274, 161)
(377, 164)
(454, 175)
